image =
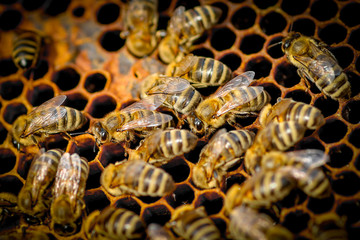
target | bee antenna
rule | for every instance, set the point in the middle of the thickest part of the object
(80, 133)
(291, 26)
(274, 44)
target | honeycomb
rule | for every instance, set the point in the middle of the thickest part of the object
(88, 62)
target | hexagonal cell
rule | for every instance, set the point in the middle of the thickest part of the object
(56, 141)
(111, 40)
(128, 203)
(251, 43)
(96, 200)
(267, 23)
(10, 184)
(286, 75)
(346, 183)
(93, 180)
(350, 209)
(327, 106)
(354, 39)
(203, 52)
(8, 67)
(39, 71)
(212, 202)
(340, 156)
(78, 11)
(108, 13)
(111, 153)
(274, 48)
(305, 26)
(354, 80)
(273, 90)
(13, 111)
(319, 206)
(333, 131)
(23, 166)
(344, 55)
(296, 221)
(102, 105)
(3, 133)
(232, 60)
(183, 194)
(260, 65)
(95, 82)
(8, 160)
(10, 19)
(40, 94)
(294, 8)
(327, 35)
(243, 18)
(85, 148)
(264, 4)
(224, 8)
(11, 89)
(299, 95)
(218, 36)
(77, 101)
(157, 214)
(234, 179)
(66, 78)
(350, 112)
(310, 143)
(317, 9)
(354, 137)
(348, 12)
(149, 200)
(178, 169)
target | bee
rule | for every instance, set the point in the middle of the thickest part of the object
(329, 226)
(138, 119)
(246, 223)
(275, 136)
(157, 232)
(8, 205)
(200, 71)
(68, 193)
(114, 223)
(234, 99)
(190, 223)
(22, 233)
(35, 196)
(184, 28)
(222, 152)
(311, 178)
(48, 118)
(180, 95)
(138, 178)
(288, 110)
(316, 64)
(141, 20)
(163, 145)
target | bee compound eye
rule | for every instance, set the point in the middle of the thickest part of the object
(103, 135)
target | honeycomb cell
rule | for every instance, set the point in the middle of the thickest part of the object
(193, 156)
(234, 179)
(31, 5)
(224, 8)
(299, 95)
(232, 60)
(183, 194)
(318, 9)
(23, 166)
(218, 36)
(354, 39)
(246, 121)
(267, 23)
(187, 4)
(149, 200)
(40, 94)
(66, 78)
(212, 202)
(8, 67)
(76, 100)
(95, 82)
(42, 67)
(354, 138)
(346, 183)
(78, 11)
(294, 7)
(54, 7)
(56, 142)
(354, 80)
(203, 52)
(243, 18)
(305, 26)
(10, 184)
(221, 225)
(10, 19)
(129, 203)
(3, 133)
(274, 48)
(251, 44)
(111, 40)
(86, 148)
(93, 180)
(111, 153)
(8, 160)
(296, 221)
(319, 206)
(340, 156)
(327, 106)
(178, 169)
(332, 33)
(13, 111)
(108, 13)
(264, 4)
(157, 214)
(350, 112)
(350, 209)
(286, 75)
(274, 92)
(333, 131)
(101, 106)
(260, 65)
(96, 200)
(11, 89)
(348, 12)
(310, 143)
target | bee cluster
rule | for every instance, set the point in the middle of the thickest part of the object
(209, 150)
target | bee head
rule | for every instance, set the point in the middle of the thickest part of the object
(286, 43)
(196, 125)
(141, 43)
(101, 134)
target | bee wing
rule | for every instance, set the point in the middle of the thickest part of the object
(215, 144)
(150, 143)
(149, 103)
(311, 158)
(185, 65)
(177, 20)
(51, 103)
(150, 121)
(278, 109)
(236, 102)
(172, 85)
(243, 79)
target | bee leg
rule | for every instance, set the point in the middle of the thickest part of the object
(232, 122)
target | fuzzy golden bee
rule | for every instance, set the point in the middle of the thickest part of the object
(329, 226)
(48, 118)
(35, 196)
(141, 20)
(317, 64)
(68, 192)
(158, 232)
(223, 151)
(233, 100)
(163, 145)
(190, 223)
(246, 223)
(114, 223)
(138, 178)
(184, 28)
(200, 71)
(138, 119)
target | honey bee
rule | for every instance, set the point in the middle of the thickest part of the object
(34, 197)
(141, 20)
(68, 193)
(316, 64)
(48, 118)
(222, 152)
(114, 223)
(190, 223)
(289, 110)
(23, 233)
(163, 145)
(329, 226)
(184, 28)
(234, 99)
(138, 119)
(200, 71)
(157, 232)
(246, 223)
(136, 177)
(275, 136)
(8, 205)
